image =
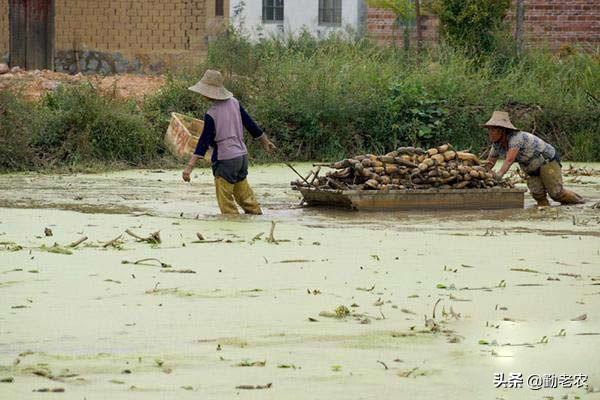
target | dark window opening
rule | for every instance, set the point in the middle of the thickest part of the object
(219, 8)
(272, 11)
(330, 12)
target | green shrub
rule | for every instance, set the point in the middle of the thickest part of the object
(323, 100)
(81, 125)
(471, 24)
(18, 121)
(420, 119)
(331, 98)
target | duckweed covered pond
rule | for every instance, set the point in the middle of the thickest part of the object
(434, 304)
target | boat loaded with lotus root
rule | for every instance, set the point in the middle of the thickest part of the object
(410, 178)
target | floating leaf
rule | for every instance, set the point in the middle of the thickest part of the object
(582, 317)
(248, 363)
(342, 311)
(366, 289)
(533, 271)
(56, 249)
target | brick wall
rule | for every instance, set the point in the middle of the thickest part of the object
(547, 22)
(127, 35)
(4, 38)
(380, 28)
(562, 22)
(148, 34)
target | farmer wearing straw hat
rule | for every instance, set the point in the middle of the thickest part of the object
(537, 158)
(224, 125)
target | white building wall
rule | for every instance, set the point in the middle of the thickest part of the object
(298, 15)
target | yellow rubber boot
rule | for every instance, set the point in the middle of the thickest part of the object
(225, 197)
(244, 196)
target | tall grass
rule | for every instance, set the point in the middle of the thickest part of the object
(330, 98)
(323, 100)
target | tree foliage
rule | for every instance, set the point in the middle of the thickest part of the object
(471, 24)
(404, 10)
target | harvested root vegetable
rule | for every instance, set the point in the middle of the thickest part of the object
(438, 158)
(443, 148)
(407, 168)
(391, 169)
(449, 155)
(467, 157)
(371, 183)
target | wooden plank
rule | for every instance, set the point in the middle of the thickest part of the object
(465, 199)
(38, 41)
(18, 33)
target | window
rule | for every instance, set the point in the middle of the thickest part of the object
(219, 9)
(272, 10)
(330, 12)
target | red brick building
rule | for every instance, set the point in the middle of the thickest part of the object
(552, 23)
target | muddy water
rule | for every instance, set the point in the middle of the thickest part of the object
(100, 327)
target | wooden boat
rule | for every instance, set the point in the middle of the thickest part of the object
(428, 199)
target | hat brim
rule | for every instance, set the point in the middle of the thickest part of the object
(510, 128)
(212, 92)
(494, 124)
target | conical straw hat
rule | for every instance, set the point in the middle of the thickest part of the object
(211, 86)
(500, 119)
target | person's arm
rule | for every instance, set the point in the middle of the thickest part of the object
(256, 132)
(491, 163)
(511, 156)
(206, 138)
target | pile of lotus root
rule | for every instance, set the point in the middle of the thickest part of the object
(406, 168)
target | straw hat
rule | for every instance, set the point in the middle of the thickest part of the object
(500, 119)
(211, 86)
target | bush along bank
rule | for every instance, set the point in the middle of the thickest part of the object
(75, 126)
(333, 98)
(341, 97)
(321, 100)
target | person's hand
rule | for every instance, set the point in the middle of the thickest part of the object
(269, 146)
(186, 174)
